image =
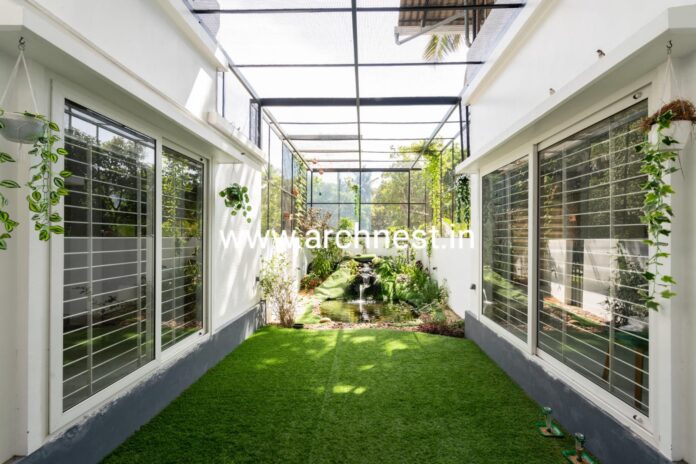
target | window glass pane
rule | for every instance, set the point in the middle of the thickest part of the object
(505, 213)
(592, 256)
(108, 317)
(182, 247)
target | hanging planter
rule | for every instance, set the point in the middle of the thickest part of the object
(237, 198)
(681, 124)
(23, 128)
(46, 187)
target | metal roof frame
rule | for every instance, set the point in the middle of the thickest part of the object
(453, 103)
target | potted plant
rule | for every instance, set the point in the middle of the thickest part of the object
(683, 118)
(237, 198)
(22, 127)
(46, 186)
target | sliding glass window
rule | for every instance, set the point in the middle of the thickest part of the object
(108, 316)
(505, 234)
(183, 215)
(592, 256)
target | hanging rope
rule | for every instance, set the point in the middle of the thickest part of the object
(13, 75)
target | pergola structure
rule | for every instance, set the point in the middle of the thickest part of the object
(345, 86)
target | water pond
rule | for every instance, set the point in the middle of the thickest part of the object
(356, 311)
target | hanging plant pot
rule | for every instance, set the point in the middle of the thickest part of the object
(21, 128)
(678, 130)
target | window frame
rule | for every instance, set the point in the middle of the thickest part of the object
(58, 419)
(509, 160)
(636, 421)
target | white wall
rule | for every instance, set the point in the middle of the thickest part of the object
(9, 260)
(681, 313)
(560, 45)
(135, 58)
(457, 267)
(141, 36)
(235, 266)
(519, 87)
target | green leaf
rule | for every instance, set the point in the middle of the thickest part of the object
(55, 217)
(62, 151)
(6, 158)
(59, 182)
(249, 220)
(668, 280)
(65, 174)
(652, 304)
(36, 195)
(3, 244)
(53, 126)
(44, 235)
(34, 207)
(667, 294)
(56, 229)
(9, 184)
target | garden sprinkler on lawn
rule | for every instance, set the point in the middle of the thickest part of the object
(579, 455)
(548, 428)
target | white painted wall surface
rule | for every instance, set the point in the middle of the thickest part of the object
(145, 39)
(9, 260)
(561, 44)
(682, 308)
(234, 266)
(140, 35)
(456, 267)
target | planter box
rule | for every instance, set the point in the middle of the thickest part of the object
(679, 131)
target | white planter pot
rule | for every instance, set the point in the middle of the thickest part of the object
(678, 130)
(20, 128)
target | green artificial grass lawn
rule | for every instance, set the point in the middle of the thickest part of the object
(344, 396)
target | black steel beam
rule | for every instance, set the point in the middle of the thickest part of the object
(362, 65)
(386, 101)
(376, 9)
(340, 123)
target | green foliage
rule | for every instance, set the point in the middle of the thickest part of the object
(658, 162)
(278, 286)
(463, 198)
(310, 281)
(441, 45)
(46, 186)
(237, 197)
(356, 199)
(403, 279)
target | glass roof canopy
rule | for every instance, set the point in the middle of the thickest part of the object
(344, 82)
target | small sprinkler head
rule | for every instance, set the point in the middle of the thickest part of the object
(600, 53)
(547, 418)
(579, 446)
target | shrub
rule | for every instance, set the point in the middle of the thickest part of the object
(454, 329)
(310, 281)
(278, 288)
